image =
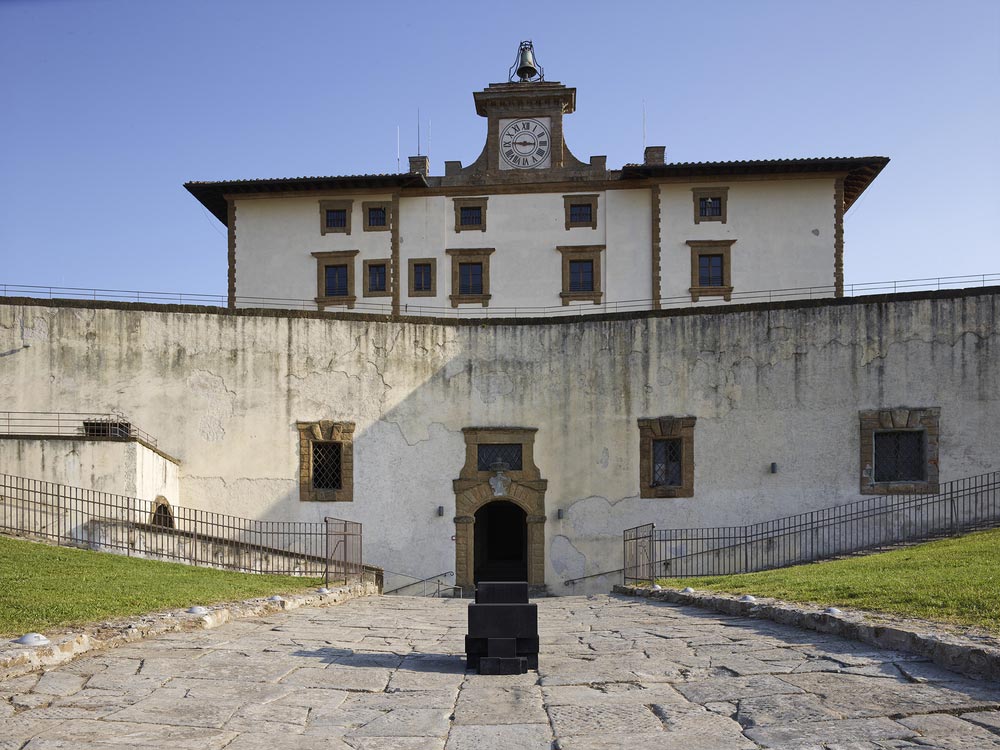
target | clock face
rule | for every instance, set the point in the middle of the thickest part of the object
(525, 143)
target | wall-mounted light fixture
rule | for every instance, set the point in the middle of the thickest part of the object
(559, 514)
(440, 510)
(774, 468)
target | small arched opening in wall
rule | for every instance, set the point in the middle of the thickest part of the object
(162, 514)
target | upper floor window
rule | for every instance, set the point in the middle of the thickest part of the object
(335, 216)
(470, 275)
(377, 215)
(423, 277)
(581, 211)
(710, 204)
(336, 281)
(377, 278)
(470, 214)
(711, 269)
(581, 275)
(335, 278)
(470, 278)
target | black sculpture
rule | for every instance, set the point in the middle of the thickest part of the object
(503, 629)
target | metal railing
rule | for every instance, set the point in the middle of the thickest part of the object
(431, 586)
(495, 311)
(115, 426)
(871, 524)
(77, 517)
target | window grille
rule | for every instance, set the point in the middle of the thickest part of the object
(326, 466)
(667, 463)
(490, 453)
(376, 217)
(581, 275)
(470, 278)
(581, 213)
(162, 517)
(710, 270)
(336, 218)
(900, 456)
(421, 277)
(710, 206)
(471, 216)
(336, 281)
(376, 278)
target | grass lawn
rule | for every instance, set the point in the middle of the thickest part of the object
(44, 587)
(952, 580)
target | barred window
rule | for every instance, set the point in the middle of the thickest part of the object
(667, 463)
(581, 213)
(900, 456)
(376, 277)
(326, 471)
(470, 278)
(336, 218)
(336, 281)
(489, 453)
(710, 206)
(710, 270)
(422, 277)
(471, 216)
(581, 275)
(376, 216)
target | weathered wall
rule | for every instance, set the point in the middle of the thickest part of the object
(223, 393)
(121, 467)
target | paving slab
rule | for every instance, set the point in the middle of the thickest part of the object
(388, 673)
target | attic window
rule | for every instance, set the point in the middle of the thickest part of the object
(378, 215)
(710, 204)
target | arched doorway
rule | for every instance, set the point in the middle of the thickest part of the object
(501, 542)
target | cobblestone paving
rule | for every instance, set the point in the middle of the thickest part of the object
(382, 673)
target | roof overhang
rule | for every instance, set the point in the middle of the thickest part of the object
(212, 195)
(858, 171)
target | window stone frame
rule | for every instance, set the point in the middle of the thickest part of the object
(711, 247)
(326, 431)
(470, 255)
(657, 428)
(335, 258)
(722, 193)
(366, 290)
(461, 203)
(335, 205)
(581, 199)
(581, 252)
(412, 292)
(899, 419)
(387, 205)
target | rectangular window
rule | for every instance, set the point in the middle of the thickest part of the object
(900, 456)
(336, 218)
(489, 454)
(709, 207)
(470, 278)
(376, 277)
(422, 277)
(581, 275)
(376, 216)
(326, 473)
(667, 463)
(336, 281)
(710, 270)
(581, 213)
(471, 216)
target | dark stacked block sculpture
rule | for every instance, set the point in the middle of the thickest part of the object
(503, 630)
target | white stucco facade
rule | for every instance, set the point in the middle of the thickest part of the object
(778, 383)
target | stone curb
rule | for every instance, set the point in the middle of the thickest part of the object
(17, 660)
(945, 649)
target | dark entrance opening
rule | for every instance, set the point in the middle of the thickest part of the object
(501, 543)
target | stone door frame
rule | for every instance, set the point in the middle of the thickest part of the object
(473, 491)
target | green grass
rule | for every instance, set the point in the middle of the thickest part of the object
(44, 587)
(954, 580)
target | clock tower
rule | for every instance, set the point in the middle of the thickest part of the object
(524, 137)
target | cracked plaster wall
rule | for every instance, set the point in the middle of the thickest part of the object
(222, 393)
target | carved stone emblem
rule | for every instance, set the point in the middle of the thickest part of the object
(499, 484)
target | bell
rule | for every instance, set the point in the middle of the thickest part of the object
(526, 67)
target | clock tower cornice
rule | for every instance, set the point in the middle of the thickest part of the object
(525, 98)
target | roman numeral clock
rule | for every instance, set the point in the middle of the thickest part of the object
(525, 143)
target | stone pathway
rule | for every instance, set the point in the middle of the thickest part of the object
(388, 672)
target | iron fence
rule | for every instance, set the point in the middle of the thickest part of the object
(112, 425)
(871, 524)
(498, 311)
(77, 517)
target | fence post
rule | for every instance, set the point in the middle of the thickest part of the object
(326, 552)
(746, 552)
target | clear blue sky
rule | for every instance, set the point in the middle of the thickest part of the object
(108, 106)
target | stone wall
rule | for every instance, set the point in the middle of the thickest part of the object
(783, 383)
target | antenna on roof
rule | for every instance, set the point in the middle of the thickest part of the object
(418, 131)
(428, 136)
(397, 149)
(644, 124)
